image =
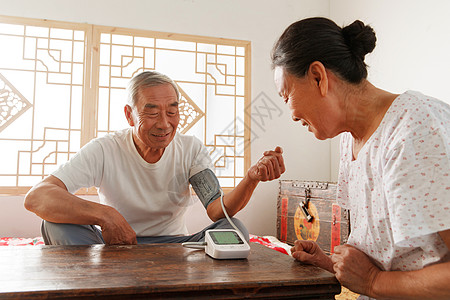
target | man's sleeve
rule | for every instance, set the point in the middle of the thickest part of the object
(84, 169)
(201, 175)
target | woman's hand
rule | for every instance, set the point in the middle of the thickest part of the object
(309, 252)
(354, 269)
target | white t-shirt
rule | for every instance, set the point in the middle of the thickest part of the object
(398, 188)
(152, 197)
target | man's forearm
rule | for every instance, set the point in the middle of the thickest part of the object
(235, 200)
(51, 201)
(429, 283)
(241, 194)
(55, 204)
(268, 167)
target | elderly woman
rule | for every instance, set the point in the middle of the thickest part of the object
(394, 165)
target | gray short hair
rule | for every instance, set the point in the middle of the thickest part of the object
(148, 79)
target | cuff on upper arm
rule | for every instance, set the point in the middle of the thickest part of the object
(206, 186)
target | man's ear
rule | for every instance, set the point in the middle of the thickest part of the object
(318, 73)
(129, 114)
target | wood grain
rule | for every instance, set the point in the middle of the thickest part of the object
(156, 271)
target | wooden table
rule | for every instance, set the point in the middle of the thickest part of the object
(156, 271)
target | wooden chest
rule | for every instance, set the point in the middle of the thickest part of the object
(307, 210)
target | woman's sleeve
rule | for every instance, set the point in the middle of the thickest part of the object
(417, 187)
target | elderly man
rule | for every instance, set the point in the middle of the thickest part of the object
(142, 175)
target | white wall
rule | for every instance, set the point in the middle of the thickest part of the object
(412, 53)
(259, 21)
(15, 221)
(413, 44)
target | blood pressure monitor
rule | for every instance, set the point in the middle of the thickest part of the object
(222, 243)
(226, 244)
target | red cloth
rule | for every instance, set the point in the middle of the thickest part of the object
(10, 241)
(266, 242)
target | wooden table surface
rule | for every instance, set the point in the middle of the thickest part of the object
(156, 271)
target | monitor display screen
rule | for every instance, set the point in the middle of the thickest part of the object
(225, 237)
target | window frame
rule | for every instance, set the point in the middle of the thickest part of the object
(91, 79)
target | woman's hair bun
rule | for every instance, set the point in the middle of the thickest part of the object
(341, 50)
(360, 38)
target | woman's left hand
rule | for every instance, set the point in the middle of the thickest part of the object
(354, 269)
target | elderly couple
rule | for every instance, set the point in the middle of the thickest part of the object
(393, 176)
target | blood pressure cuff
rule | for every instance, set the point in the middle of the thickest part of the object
(206, 186)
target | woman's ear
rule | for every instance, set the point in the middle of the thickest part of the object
(129, 114)
(318, 73)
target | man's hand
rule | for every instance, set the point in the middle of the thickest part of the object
(116, 230)
(354, 269)
(309, 252)
(268, 167)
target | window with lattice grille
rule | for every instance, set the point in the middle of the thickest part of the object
(62, 84)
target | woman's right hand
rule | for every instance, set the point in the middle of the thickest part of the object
(309, 252)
